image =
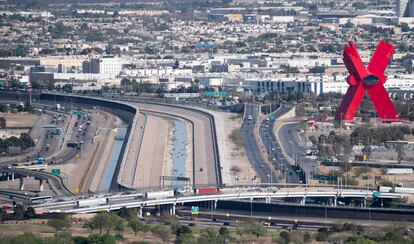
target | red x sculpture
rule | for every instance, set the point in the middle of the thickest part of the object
(369, 79)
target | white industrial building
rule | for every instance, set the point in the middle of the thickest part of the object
(323, 84)
(103, 65)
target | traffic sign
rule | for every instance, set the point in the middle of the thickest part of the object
(49, 126)
(195, 210)
(215, 94)
(56, 172)
(272, 117)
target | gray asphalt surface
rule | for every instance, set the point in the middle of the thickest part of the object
(259, 164)
(295, 147)
(273, 147)
(66, 155)
(54, 181)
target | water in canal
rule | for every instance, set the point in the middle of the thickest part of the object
(179, 152)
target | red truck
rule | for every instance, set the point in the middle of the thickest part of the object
(206, 190)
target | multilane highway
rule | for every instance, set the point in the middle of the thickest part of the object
(55, 182)
(295, 147)
(206, 159)
(273, 146)
(253, 151)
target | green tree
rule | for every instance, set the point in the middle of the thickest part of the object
(29, 213)
(224, 235)
(209, 235)
(405, 27)
(237, 137)
(37, 84)
(3, 108)
(359, 5)
(184, 235)
(285, 236)
(322, 234)
(18, 212)
(186, 239)
(100, 221)
(59, 223)
(255, 228)
(360, 240)
(27, 238)
(2, 123)
(162, 231)
(313, 8)
(399, 149)
(26, 140)
(3, 215)
(307, 237)
(104, 239)
(240, 231)
(63, 237)
(127, 213)
(136, 225)
(117, 223)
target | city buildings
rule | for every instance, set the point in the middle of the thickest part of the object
(405, 8)
(288, 47)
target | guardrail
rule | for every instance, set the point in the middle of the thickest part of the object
(127, 148)
(132, 109)
(212, 131)
(126, 201)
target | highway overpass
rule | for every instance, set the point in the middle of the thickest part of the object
(135, 200)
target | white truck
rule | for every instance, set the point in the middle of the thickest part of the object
(159, 194)
(91, 202)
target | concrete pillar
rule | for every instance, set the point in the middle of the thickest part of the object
(365, 202)
(21, 187)
(170, 209)
(335, 201)
(173, 209)
(303, 201)
(268, 199)
(12, 175)
(215, 204)
(140, 212)
(41, 185)
(7, 176)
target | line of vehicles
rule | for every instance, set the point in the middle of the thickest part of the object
(38, 164)
(96, 201)
(396, 189)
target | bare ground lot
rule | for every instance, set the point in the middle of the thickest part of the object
(20, 119)
(236, 168)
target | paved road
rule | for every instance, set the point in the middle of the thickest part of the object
(55, 182)
(295, 147)
(251, 146)
(273, 148)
